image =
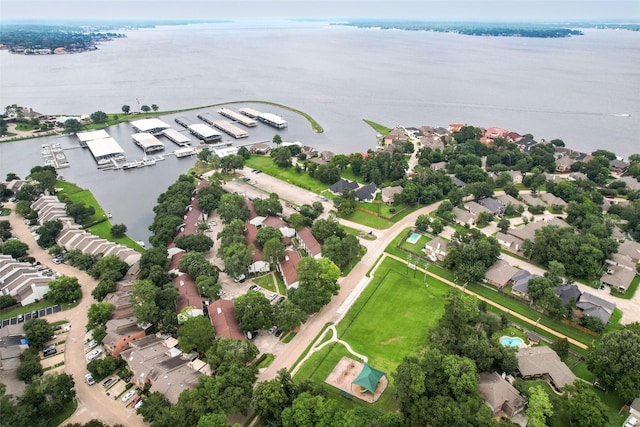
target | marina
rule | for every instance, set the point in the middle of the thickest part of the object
(103, 147)
(176, 137)
(183, 121)
(184, 152)
(207, 117)
(236, 117)
(205, 133)
(147, 142)
(152, 126)
(250, 112)
(273, 120)
(230, 129)
(53, 155)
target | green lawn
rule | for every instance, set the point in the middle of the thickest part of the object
(381, 129)
(265, 282)
(103, 230)
(393, 246)
(633, 287)
(369, 220)
(43, 303)
(389, 321)
(302, 179)
(416, 248)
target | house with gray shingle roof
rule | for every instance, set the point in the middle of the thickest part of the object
(496, 207)
(367, 193)
(567, 292)
(500, 273)
(592, 305)
(499, 395)
(342, 185)
(388, 193)
(535, 362)
(464, 217)
(618, 277)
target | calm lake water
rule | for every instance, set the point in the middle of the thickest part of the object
(572, 88)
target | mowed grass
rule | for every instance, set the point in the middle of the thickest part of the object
(301, 179)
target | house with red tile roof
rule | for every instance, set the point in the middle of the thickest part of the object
(309, 243)
(223, 319)
(287, 267)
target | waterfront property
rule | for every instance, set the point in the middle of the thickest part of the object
(147, 142)
(84, 137)
(244, 120)
(153, 126)
(176, 137)
(273, 120)
(205, 133)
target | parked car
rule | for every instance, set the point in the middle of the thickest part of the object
(34, 314)
(108, 382)
(94, 354)
(281, 299)
(89, 379)
(93, 344)
(278, 333)
(240, 279)
(20, 318)
(49, 351)
(128, 395)
(273, 296)
(272, 329)
(254, 288)
(139, 404)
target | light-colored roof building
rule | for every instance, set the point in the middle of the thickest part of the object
(500, 395)
(149, 125)
(544, 362)
(500, 273)
(105, 149)
(147, 142)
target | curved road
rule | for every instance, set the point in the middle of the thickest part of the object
(93, 403)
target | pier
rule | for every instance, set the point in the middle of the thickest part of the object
(205, 133)
(273, 120)
(250, 112)
(230, 129)
(183, 121)
(236, 117)
(147, 142)
(207, 118)
(53, 155)
(176, 137)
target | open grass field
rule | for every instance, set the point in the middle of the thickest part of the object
(389, 321)
(301, 179)
(369, 220)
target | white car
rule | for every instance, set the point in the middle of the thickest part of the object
(273, 296)
(139, 404)
(128, 395)
(89, 379)
(93, 344)
(94, 354)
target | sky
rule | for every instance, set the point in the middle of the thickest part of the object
(443, 10)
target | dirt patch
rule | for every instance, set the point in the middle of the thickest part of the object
(392, 340)
(343, 375)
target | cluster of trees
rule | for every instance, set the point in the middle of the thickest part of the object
(169, 210)
(48, 232)
(318, 281)
(255, 312)
(205, 274)
(15, 248)
(236, 255)
(471, 254)
(338, 246)
(37, 332)
(107, 270)
(42, 401)
(270, 206)
(64, 289)
(631, 216)
(581, 254)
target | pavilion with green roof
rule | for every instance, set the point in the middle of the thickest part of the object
(368, 379)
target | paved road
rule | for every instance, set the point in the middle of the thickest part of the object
(92, 402)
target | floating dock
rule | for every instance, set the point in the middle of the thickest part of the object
(273, 120)
(176, 137)
(184, 152)
(53, 155)
(250, 112)
(236, 117)
(147, 142)
(183, 121)
(205, 133)
(230, 129)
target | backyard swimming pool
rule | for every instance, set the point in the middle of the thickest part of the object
(511, 341)
(413, 238)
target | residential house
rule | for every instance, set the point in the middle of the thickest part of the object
(122, 306)
(567, 293)
(464, 217)
(189, 302)
(500, 273)
(507, 200)
(120, 332)
(440, 131)
(495, 207)
(536, 362)
(438, 166)
(318, 161)
(513, 137)
(493, 133)
(630, 249)
(632, 183)
(618, 166)
(22, 281)
(577, 176)
(223, 319)
(458, 182)
(525, 144)
(531, 200)
(433, 142)
(436, 249)
(620, 260)
(529, 231)
(499, 395)
(516, 176)
(367, 193)
(388, 194)
(618, 277)
(563, 164)
(455, 127)
(260, 148)
(520, 283)
(308, 151)
(343, 185)
(509, 242)
(591, 305)
(552, 200)
(287, 267)
(309, 243)
(534, 339)
(396, 135)
(173, 376)
(476, 209)
(327, 155)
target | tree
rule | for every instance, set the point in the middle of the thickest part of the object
(423, 222)
(72, 126)
(30, 367)
(539, 408)
(194, 242)
(273, 250)
(64, 289)
(118, 230)
(317, 279)
(281, 156)
(615, 361)
(270, 206)
(288, 316)
(145, 108)
(80, 212)
(345, 203)
(37, 332)
(265, 234)
(101, 368)
(436, 226)
(102, 289)
(15, 248)
(253, 311)
(324, 228)
(45, 178)
(195, 264)
(277, 140)
(154, 256)
(227, 351)
(156, 406)
(154, 107)
(237, 259)
(99, 117)
(232, 207)
(270, 398)
(125, 109)
(99, 314)
(584, 406)
(231, 162)
(109, 267)
(504, 224)
(196, 334)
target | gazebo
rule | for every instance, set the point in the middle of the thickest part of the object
(368, 379)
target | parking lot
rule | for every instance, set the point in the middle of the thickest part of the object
(27, 316)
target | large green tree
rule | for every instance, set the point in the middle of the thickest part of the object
(37, 332)
(64, 289)
(99, 314)
(539, 407)
(318, 281)
(194, 242)
(584, 406)
(253, 311)
(232, 207)
(15, 248)
(196, 334)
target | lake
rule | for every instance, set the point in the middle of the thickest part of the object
(569, 88)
